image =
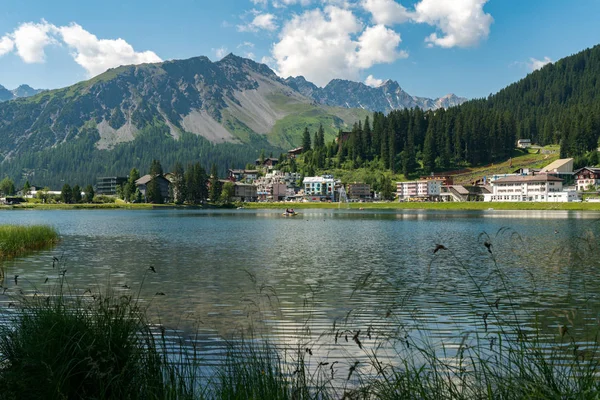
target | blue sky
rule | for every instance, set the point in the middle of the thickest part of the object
(431, 47)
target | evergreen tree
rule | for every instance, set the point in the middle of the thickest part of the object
(27, 188)
(178, 185)
(227, 192)
(305, 140)
(76, 194)
(429, 153)
(66, 194)
(215, 185)
(89, 194)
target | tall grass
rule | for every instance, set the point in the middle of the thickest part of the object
(87, 347)
(18, 239)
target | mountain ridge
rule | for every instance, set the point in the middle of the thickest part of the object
(21, 91)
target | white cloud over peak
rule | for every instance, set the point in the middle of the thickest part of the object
(535, 64)
(463, 23)
(97, 55)
(94, 55)
(322, 45)
(373, 82)
(386, 12)
(260, 22)
(220, 52)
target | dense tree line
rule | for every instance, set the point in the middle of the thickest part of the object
(80, 161)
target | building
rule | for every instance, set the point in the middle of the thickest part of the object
(244, 192)
(446, 179)
(107, 185)
(163, 183)
(359, 191)
(425, 189)
(560, 166)
(318, 188)
(268, 163)
(295, 152)
(587, 178)
(523, 143)
(542, 187)
(242, 175)
(276, 185)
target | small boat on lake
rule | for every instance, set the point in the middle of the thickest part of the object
(289, 214)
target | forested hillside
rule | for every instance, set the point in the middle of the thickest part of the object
(558, 104)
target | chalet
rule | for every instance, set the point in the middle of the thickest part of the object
(163, 184)
(446, 179)
(269, 162)
(587, 178)
(295, 152)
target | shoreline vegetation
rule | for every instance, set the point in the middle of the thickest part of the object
(92, 344)
(466, 206)
(16, 240)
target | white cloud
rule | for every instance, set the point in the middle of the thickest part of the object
(30, 40)
(535, 64)
(261, 21)
(376, 45)
(462, 22)
(386, 12)
(321, 45)
(6, 45)
(93, 54)
(246, 44)
(220, 52)
(373, 82)
(97, 55)
(249, 55)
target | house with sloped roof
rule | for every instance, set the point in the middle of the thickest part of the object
(163, 184)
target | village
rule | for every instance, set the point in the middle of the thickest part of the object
(556, 182)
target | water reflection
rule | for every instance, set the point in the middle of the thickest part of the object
(328, 273)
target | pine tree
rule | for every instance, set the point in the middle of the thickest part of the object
(305, 140)
(215, 185)
(76, 194)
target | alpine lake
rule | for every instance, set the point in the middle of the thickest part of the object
(313, 281)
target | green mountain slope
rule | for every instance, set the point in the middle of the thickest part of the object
(227, 111)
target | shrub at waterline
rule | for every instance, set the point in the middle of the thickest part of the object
(15, 239)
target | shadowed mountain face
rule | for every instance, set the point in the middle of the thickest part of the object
(226, 101)
(385, 98)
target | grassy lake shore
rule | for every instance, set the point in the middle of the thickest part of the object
(16, 240)
(473, 205)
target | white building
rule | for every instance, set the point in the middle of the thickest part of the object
(523, 143)
(422, 189)
(542, 188)
(319, 187)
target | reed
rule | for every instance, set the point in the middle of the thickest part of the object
(96, 346)
(18, 239)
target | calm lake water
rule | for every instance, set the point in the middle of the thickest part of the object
(294, 279)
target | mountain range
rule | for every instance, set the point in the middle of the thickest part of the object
(385, 98)
(230, 111)
(21, 91)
